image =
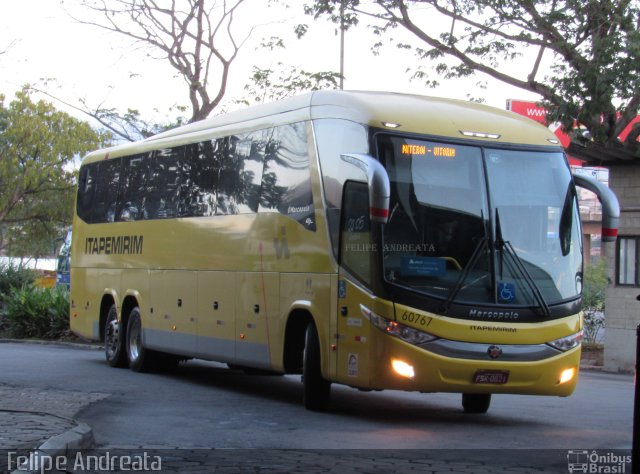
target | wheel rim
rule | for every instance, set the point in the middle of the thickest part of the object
(135, 340)
(112, 338)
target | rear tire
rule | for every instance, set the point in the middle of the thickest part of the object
(316, 390)
(140, 359)
(476, 402)
(114, 350)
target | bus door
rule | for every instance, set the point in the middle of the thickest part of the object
(356, 256)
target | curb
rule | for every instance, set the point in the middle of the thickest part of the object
(79, 437)
(75, 345)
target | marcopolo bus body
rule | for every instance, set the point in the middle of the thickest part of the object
(382, 241)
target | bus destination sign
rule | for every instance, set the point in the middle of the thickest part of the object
(424, 150)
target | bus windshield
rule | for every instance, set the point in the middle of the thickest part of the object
(63, 267)
(480, 225)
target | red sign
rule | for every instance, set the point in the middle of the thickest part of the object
(537, 113)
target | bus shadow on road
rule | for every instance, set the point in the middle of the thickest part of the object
(383, 406)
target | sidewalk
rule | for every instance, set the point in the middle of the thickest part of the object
(33, 421)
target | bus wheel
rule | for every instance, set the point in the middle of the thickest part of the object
(140, 359)
(114, 340)
(476, 402)
(316, 390)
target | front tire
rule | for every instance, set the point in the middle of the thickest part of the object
(140, 359)
(114, 350)
(476, 402)
(316, 390)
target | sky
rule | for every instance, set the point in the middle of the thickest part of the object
(79, 61)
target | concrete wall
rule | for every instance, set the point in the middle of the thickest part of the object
(622, 308)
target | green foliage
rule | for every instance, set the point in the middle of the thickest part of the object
(37, 147)
(593, 300)
(12, 277)
(32, 312)
(594, 287)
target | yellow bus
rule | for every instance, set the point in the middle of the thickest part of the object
(376, 240)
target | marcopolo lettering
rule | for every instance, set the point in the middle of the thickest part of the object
(502, 315)
(114, 245)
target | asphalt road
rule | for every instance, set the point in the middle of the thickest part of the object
(204, 405)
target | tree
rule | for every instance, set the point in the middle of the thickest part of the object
(198, 37)
(37, 147)
(271, 84)
(5, 50)
(592, 48)
(274, 84)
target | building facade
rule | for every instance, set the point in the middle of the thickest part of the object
(622, 307)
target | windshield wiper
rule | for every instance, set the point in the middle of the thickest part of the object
(477, 251)
(504, 246)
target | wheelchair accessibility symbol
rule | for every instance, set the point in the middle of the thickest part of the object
(506, 292)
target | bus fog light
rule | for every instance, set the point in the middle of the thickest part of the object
(567, 375)
(403, 369)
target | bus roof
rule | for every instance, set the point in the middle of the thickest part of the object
(409, 113)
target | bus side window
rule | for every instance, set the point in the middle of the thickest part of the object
(356, 246)
(286, 180)
(135, 170)
(163, 190)
(86, 190)
(199, 180)
(108, 183)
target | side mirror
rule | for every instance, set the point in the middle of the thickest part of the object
(610, 206)
(378, 181)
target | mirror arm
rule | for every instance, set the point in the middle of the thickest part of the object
(610, 205)
(378, 181)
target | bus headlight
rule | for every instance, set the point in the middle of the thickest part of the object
(406, 333)
(567, 343)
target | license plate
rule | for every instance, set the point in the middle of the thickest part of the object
(494, 377)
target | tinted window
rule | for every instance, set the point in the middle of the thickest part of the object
(199, 180)
(267, 169)
(335, 137)
(131, 202)
(86, 191)
(106, 193)
(356, 249)
(286, 180)
(163, 189)
(240, 175)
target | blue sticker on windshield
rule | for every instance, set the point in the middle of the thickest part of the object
(506, 292)
(423, 266)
